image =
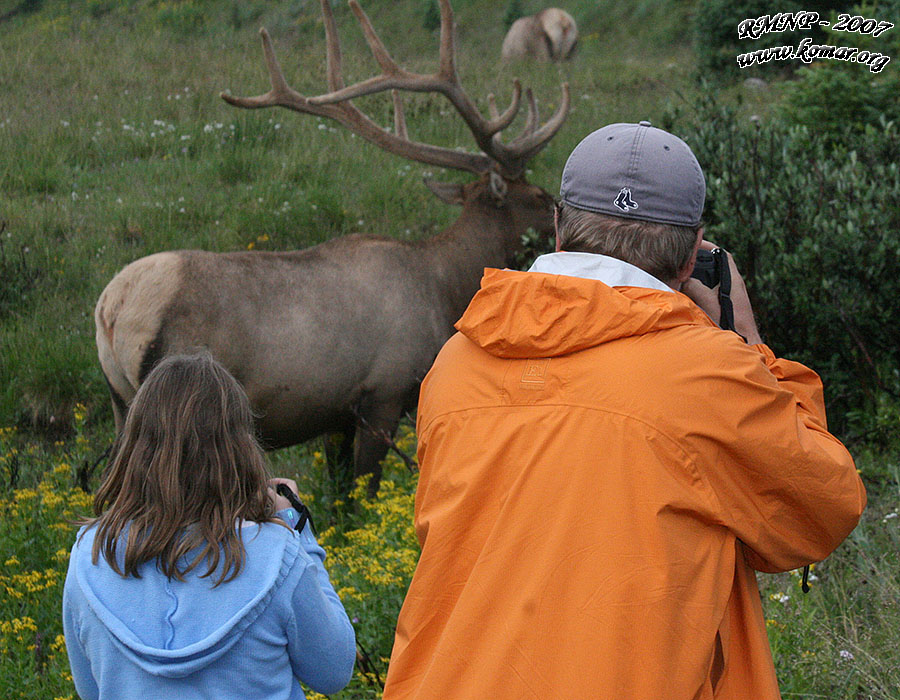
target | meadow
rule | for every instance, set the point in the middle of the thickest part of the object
(114, 144)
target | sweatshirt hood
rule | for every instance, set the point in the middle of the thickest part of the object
(534, 314)
(174, 628)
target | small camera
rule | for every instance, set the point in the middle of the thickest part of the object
(708, 268)
(712, 270)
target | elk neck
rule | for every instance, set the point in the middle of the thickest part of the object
(484, 235)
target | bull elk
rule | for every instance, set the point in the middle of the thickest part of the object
(550, 35)
(336, 338)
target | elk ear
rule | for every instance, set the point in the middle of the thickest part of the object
(499, 188)
(447, 192)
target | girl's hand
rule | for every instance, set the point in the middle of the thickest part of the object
(280, 501)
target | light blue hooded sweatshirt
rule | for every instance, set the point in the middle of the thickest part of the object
(152, 638)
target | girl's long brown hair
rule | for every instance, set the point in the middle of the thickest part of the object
(186, 471)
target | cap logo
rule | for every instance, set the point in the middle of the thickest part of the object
(624, 201)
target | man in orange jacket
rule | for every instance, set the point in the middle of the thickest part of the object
(603, 469)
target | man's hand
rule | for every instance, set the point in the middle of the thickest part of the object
(708, 299)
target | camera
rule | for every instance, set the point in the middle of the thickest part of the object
(712, 270)
(709, 266)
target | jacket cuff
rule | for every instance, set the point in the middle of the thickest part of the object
(292, 517)
(766, 352)
(289, 515)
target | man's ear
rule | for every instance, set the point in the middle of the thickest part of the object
(556, 226)
(685, 273)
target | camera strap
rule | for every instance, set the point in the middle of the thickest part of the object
(726, 320)
(297, 505)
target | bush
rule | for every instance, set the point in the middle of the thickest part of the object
(18, 273)
(36, 530)
(715, 29)
(431, 18)
(185, 17)
(813, 225)
(22, 8)
(854, 96)
(513, 12)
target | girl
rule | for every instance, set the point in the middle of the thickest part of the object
(189, 582)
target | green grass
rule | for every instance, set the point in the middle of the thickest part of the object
(116, 145)
(840, 639)
(371, 548)
(837, 642)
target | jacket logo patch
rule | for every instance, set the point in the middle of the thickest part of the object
(534, 374)
(624, 201)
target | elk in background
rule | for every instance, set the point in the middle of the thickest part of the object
(550, 35)
(336, 338)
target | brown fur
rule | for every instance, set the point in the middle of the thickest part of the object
(321, 338)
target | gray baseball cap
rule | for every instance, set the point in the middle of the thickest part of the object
(635, 171)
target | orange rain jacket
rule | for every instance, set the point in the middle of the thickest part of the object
(602, 469)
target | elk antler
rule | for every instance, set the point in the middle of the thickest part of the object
(508, 158)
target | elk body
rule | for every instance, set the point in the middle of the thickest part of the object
(336, 338)
(550, 35)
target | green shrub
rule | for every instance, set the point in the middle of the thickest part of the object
(513, 12)
(21, 8)
(18, 272)
(715, 29)
(855, 99)
(813, 226)
(856, 96)
(184, 17)
(243, 13)
(431, 19)
(99, 8)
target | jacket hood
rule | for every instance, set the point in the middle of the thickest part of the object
(174, 628)
(533, 314)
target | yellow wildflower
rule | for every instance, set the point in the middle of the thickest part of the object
(18, 625)
(21, 495)
(79, 499)
(51, 499)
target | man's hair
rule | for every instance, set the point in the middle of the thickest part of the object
(186, 471)
(661, 250)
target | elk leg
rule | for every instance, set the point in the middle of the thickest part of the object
(376, 424)
(119, 406)
(339, 458)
